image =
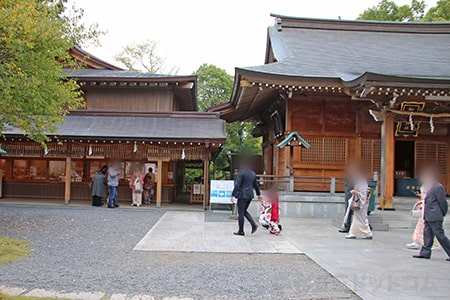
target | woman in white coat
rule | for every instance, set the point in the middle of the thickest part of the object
(360, 225)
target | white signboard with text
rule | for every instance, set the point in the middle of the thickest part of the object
(221, 191)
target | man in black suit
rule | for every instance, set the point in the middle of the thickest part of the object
(436, 208)
(243, 191)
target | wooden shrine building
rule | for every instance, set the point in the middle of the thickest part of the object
(129, 117)
(378, 92)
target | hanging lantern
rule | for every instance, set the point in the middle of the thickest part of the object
(90, 150)
(135, 148)
(183, 154)
(2, 151)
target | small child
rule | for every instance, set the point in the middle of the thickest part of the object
(270, 212)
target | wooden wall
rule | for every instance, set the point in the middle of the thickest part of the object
(341, 130)
(129, 99)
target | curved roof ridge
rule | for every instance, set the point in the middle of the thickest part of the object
(91, 60)
(361, 25)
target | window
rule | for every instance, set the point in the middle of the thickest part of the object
(325, 151)
(94, 167)
(431, 152)
(3, 168)
(371, 155)
(77, 171)
(38, 169)
(56, 169)
(21, 169)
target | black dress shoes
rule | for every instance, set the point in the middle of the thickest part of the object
(420, 256)
(343, 230)
(448, 259)
(238, 233)
(116, 205)
(109, 206)
(254, 228)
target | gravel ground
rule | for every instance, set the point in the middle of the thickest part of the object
(86, 249)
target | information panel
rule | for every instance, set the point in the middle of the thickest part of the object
(221, 191)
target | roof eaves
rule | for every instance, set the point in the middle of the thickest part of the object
(256, 74)
(397, 80)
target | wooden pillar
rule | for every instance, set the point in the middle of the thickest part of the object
(205, 183)
(68, 181)
(387, 162)
(159, 183)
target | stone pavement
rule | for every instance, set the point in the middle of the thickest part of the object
(381, 268)
(204, 232)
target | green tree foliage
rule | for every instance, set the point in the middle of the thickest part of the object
(214, 87)
(390, 11)
(35, 37)
(440, 12)
(144, 57)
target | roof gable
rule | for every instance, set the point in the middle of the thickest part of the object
(90, 61)
(347, 50)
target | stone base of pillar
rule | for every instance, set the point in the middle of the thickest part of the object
(386, 204)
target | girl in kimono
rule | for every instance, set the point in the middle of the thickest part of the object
(417, 237)
(137, 186)
(149, 186)
(270, 212)
(360, 225)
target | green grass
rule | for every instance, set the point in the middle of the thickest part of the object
(12, 250)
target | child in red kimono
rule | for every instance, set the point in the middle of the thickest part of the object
(270, 212)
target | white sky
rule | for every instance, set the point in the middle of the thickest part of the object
(226, 33)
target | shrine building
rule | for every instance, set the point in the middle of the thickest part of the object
(129, 117)
(378, 92)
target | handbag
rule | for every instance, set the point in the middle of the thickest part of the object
(416, 211)
(137, 186)
(356, 203)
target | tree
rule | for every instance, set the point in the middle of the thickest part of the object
(439, 13)
(390, 11)
(214, 87)
(144, 57)
(35, 37)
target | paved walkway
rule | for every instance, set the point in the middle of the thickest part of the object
(378, 269)
(205, 232)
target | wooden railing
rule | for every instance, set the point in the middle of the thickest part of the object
(314, 183)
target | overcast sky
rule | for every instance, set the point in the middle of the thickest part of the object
(226, 33)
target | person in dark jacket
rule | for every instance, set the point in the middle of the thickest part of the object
(243, 191)
(99, 185)
(436, 207)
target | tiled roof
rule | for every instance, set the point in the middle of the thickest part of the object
(195, 126)
(347, 50)
(125, 74)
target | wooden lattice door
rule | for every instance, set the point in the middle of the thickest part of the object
(430, 152)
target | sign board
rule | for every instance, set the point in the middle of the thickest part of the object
(197, 189)
(221, 191)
